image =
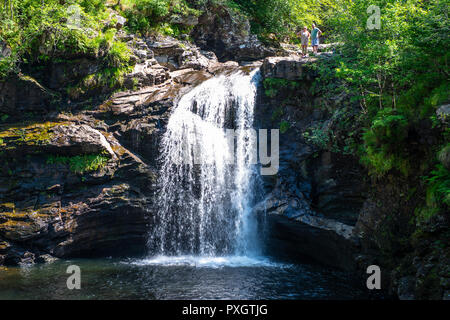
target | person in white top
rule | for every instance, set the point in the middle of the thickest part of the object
(305, 35)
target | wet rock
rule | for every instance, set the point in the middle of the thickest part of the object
(296, 231)
(128, 102)
(314, 200)
(118, 19)
(190, 76)
(446, 295)
(251, 49)
(338, 190)
(28, 258)
(12, 255)
(167, 51)
(105, 218)
(218, 68)
(46, 258)
(48, 210)
(112, 223)
(321, 240)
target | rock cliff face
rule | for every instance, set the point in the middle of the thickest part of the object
(78, 165)
(324, 205)
(81, 182)
(314, 201)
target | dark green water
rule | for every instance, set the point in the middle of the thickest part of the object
(180, 278)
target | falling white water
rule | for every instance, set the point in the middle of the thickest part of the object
(205, 200)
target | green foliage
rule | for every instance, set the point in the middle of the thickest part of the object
(93, 6)
(4, 117)
(277, 114)
(146, 16)
(271, 20)
(38, 32)
(80, 164)
(282, 19)
(398, 74)
(273, 85)
(385, 143)
(118, 55)
(438, 192)
(284, 126)
(317, 136)
(437, 195)
(395, 66)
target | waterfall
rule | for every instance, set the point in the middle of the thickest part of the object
(207, 184)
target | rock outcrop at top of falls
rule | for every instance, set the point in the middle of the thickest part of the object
(227, 33)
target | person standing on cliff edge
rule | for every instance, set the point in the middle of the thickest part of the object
(315, 34)
(305, 35)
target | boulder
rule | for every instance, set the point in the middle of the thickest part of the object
(288, 68)
(120, 21)
(185, 20)
(148, 73)
(5, 50)
(167, 51)
(21, 94)
(79, 139)
(443, 113)
(190, 76)
(251, 49)
(177, 55)
(227, 34)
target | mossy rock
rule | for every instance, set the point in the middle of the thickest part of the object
(26, 134)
